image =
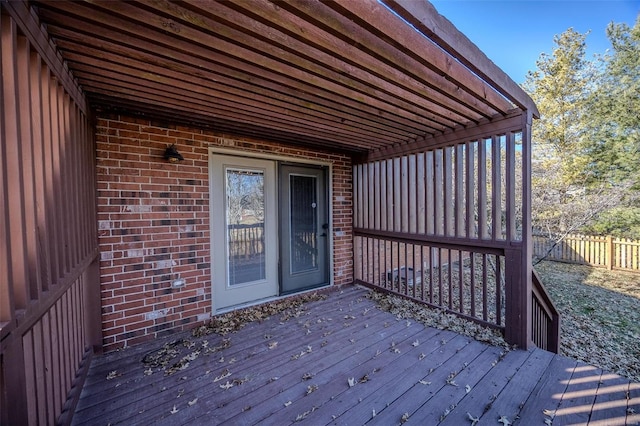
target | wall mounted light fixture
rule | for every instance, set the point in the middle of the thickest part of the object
(172, 154)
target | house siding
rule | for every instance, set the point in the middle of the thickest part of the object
(153, 223)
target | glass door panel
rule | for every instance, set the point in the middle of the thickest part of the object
(245, 226)
(304, 223)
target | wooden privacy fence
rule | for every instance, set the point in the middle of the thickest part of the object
(599, 251)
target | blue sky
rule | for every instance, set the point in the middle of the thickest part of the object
(514, 33)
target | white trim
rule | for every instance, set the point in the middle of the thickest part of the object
(267, 300)
(267, 156)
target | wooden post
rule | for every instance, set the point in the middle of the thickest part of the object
(13, 399)
(517, 300)
(92, 302)
(610, 253)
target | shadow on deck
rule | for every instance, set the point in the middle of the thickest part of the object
(343, 361)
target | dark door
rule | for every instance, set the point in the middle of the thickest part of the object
(304, 227)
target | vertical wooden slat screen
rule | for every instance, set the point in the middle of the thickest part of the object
(448, 217)
(6, 296)
(470, 189)
(496, 184)
(459, 191)
(510, 181)
(48, 237)
(13, 166)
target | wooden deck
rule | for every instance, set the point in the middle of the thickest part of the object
(343, 361)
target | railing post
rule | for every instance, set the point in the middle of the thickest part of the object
(13, 379)
(92, 302)
(610, 252)
(517, 298)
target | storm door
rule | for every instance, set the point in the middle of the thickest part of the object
(304, 228)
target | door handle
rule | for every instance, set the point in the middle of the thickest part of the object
(325, 227)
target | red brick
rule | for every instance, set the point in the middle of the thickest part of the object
(132, 178)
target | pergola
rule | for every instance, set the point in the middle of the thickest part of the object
(439, 138)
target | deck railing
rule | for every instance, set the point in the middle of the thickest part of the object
(545, 324)
(466, 281)
(245, 240)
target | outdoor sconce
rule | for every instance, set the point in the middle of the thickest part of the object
(172, 154)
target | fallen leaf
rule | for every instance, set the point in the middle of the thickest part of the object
(288, 403)
(504, 420)
(415, 343)
(445, 414)
(227, 386)
(174, 410)
(473, 420)
(113, 374)
(351, 381)
(424, 382)
(225, 373)
(304, 415)
(467, 389)
(192, 402)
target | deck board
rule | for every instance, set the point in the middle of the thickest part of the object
(482, 397)
(633, 404)
(513, 396)
(400, 368)
(553, 381)
(579, 397)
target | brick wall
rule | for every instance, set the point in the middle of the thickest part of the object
(153, 220)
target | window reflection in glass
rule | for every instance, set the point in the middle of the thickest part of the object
(245, 226)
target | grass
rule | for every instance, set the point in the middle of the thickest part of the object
(600, 315)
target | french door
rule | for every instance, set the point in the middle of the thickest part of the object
(269, 232)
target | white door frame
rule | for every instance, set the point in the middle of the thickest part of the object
(218, 234)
